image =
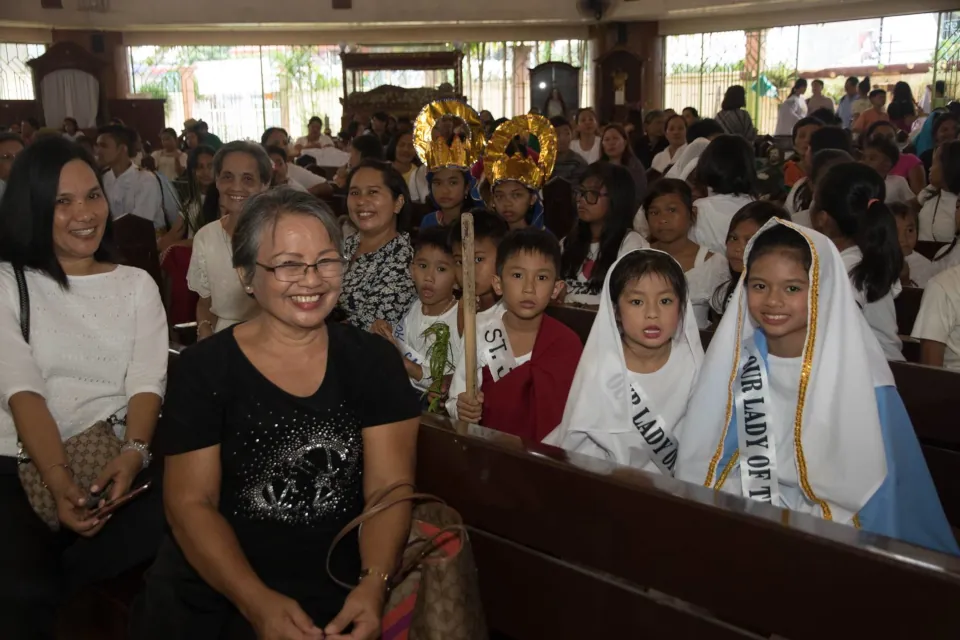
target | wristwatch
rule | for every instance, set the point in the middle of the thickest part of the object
(140, 447)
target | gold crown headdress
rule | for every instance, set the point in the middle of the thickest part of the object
(500, 167)
(460, 138)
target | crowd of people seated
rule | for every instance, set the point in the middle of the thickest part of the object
(321, 338)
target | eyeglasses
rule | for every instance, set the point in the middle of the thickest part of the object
(591, 196)
(327, 268)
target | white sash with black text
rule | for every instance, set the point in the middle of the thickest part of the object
(661, 445)
(758, 451)
(411, 354)
(495, 350)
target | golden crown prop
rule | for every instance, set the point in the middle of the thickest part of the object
(454, 119)
(500, 167)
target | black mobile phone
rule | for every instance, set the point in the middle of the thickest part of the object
(110, 507)
(93, 499)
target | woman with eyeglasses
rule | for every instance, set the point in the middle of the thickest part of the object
(241, 170)
(606, 204)
(377, 284)
(275, 439)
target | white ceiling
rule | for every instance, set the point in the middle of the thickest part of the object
(429, 20)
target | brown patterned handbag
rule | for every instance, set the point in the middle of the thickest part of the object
(435, 594)
(88, 452)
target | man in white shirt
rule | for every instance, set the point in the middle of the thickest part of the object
(277, 137)
(278, 155)
(938, 323)
(818, 101)
(845, 106)
(128, 189)
(10, 145)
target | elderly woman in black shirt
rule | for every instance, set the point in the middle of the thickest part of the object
(277, 431)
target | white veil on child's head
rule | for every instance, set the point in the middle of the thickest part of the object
(840, 455)
(598, 405)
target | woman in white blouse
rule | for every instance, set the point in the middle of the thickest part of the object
(726, 169)
(938, 214)
(96, 348)
(587, 143)
(242, 170)
(675, 132)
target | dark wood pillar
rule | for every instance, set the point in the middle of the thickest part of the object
(644, 87)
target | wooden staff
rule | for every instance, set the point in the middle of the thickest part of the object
(469, 304)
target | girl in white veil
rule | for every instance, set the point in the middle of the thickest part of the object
(796, 406)
(637, 368)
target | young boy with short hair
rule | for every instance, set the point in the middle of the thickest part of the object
(430, 324)
(881, 155)
(917, 269)
(489, 230)
(876, 112)
(526, 360)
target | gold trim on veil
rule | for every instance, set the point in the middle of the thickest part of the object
(461, 140)
(532, 174)
(813, 303)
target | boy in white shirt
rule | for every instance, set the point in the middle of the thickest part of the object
(882, 155)
(917, 269)
(427, 336)
(938, 323)
(128, 189)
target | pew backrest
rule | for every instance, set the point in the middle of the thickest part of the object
(931, 396)
(908, 307)
(569, 547)
(929, 248)
(559, 208)
(136, 238)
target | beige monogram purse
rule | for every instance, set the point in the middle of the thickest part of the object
(88, 452)
(435, 594)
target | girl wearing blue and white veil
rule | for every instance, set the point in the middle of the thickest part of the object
(796, 405)
(637, 368)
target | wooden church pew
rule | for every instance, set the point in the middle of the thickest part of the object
(929, 395)
(559, 208)
(908, 307)
(137, 240)
(569, 547)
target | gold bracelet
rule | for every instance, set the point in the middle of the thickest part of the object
(366, 573)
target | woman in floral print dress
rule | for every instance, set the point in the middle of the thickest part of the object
(377, 283)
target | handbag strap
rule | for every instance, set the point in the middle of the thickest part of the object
(24, 294)
(24, 303)
(379, 508)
